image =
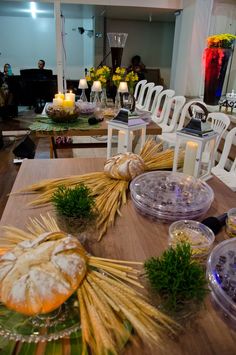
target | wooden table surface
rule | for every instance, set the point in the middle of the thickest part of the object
(134, 237)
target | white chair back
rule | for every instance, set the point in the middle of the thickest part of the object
(169, 122)
(219, 123)
(227, 177)
(144, 95)
(155, 91)
(157, 112)
(138, 88)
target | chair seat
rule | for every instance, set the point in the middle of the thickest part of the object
(228, 178)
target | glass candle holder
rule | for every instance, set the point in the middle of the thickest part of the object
(231, 223)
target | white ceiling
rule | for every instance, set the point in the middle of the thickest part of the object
(22, 9)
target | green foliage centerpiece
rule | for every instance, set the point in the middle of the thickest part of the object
(177, 278)
(75, 207)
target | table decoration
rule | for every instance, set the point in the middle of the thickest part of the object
(167, 196)
(197, 235)
(231, 223)
(67, 113)
(75, 208)
(83, 85)
(221, 266)
(117, 43)
(86, 108)
(48, 125)
(216, 58)
(177, 278)
(106, 298)
(110, 194)
(199, 152)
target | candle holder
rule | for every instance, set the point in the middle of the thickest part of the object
(199, 153)
(83, 85)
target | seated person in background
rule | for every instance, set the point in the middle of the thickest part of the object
(8, 107)
(138, 67)
(41, 64)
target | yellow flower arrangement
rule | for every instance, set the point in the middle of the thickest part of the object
(223, 40)
(102, 74)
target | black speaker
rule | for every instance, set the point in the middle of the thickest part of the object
(25, 149)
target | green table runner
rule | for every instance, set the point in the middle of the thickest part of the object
(46, 124)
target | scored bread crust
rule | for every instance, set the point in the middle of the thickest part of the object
(37, 276)
(124, 166)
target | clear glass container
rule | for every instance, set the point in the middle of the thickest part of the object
(221, 274)
(231, 223)
(170, 196)
(199, 236)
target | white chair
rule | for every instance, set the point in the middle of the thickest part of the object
(152, 99)
(219, 123)
(138, 88)
(144, 95)
(170, 138)
(159, 108)
(175, 105)
(227, 177)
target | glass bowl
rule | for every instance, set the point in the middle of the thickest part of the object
(199, 236)
(45, 327)
(221, 274)
(62, 115)
(170, 196)
(86, 108)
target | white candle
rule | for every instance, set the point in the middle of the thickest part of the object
(60, 95)
(123, 87)
(83, 84)
(70, 96)
(190, 158)
(97, 86)
(58, 102)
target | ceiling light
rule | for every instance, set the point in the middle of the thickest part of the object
(33, 9)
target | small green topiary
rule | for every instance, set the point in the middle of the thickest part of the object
(176, 277)
(76, 206)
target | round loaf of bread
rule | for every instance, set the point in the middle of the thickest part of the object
(124, 166)
(37, 276)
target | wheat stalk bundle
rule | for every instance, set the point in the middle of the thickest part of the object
(107, 299)
(110, 194)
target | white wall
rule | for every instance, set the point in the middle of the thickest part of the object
(24, 41)
(152, 41)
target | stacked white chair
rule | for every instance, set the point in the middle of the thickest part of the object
(150, 102)
(227, 177)
(144, 96)
(169, 123)
(170, 137)
(138, 88)
(159, 108)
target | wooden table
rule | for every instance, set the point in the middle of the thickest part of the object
(152, 129)
(134, 238)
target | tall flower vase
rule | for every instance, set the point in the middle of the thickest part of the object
(216, 62)
(117, 100)
(104, 97)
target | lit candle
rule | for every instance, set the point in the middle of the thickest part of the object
(190, 158)
(68, 104)
(58, 102)
(60, 95)
(123, 87)
(70, 96)
(97, 86)
(83, 84)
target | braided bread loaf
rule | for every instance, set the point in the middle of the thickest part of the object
(37, 276)
(124, 166)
